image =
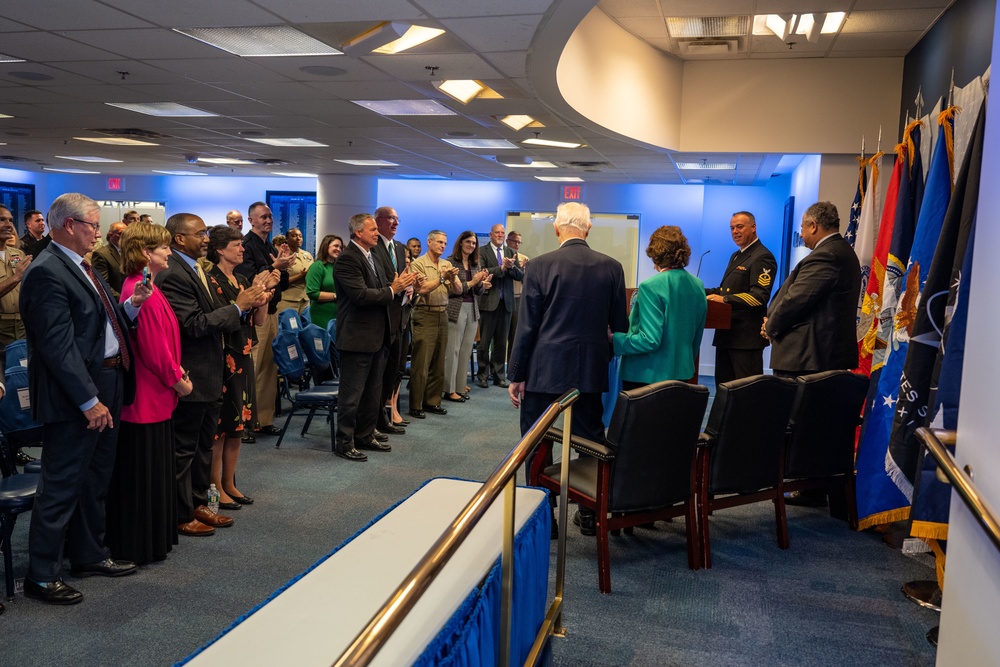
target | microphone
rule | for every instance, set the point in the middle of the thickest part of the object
(698, 272)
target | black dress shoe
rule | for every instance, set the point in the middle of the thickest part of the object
(381, 437)
(268, 430)
(230, 506)
(466, 396)
(350, 454)
(108, 567)
(501, 383)
(417, 414)
(402, 422)
(454, 399)
(435, 410)
(483, 384)
(53, 592)
(373, 445)
(587, 523)
(392, 430)
(242, 500)
(248, 438)
(22, 459)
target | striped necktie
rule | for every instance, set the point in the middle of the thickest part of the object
(110, 312)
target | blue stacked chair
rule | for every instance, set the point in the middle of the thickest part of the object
(291, 362)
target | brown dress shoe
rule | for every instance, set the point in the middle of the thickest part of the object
(195, 528)
(209, 517)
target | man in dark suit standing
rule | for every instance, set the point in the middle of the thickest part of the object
(495, 307)
(812, 319)
(107, 259)
(571, 297)
(746, 287)
(203, 319)
(392, 255)
(80, 374)
(363, 336)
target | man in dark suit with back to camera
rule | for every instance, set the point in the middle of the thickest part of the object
(80, 374)
(746, 287)
(203, 319)
(571, 297)
(811, 322)
(107, 259)
(363, 337)
(496, 305)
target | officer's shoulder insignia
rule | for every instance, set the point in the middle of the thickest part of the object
(764, 279)
(741, 268)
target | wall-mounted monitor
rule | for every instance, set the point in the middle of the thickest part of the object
(18, 197)
(294, 210)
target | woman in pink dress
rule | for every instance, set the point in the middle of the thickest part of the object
(142, 524)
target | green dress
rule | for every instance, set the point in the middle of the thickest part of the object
(319, 278)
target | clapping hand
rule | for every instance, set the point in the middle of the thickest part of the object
(507, 263)
(284, 259)
(267, 279)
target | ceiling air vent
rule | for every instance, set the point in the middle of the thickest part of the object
(708, 47)
(14, 158)
(591, 166)
(133, 132)
(271, 162)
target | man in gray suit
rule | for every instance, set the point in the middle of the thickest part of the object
(495, 307)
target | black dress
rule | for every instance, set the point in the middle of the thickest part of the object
(238, 401)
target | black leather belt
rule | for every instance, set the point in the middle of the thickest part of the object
(112, 362)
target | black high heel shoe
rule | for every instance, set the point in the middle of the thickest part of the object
(241, 500)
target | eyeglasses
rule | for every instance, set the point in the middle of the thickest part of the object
(203, 233)
(94, 226)
(388, 217)
(514, 241)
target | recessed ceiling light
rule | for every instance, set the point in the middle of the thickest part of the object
(3, 115)
(406, 107)
(224, 160)
(10, 59)
(178, 173)
(424, 176)
(116, 141)
(369, 163)
(294, 142)
(415, 36)
(261, 41)
(87, 158)
(164, 109)
(70, 170)
(295, 174)
(560, 179)
(517, 121)
(551, 144)
(492, 144)
(538, 164)
(715, 166)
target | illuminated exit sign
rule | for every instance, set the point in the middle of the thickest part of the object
(572, 192)
(116, 184)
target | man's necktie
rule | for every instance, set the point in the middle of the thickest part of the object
(500, 264)
(499, 257)
(110, 312)
(392, 257)
(204, 279)
(371, 263)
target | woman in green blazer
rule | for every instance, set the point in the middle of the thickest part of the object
(667, 319)
(320, 288)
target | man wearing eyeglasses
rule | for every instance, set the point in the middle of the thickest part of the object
(80, 373)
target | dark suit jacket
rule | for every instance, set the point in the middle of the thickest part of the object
(812, 318)
(107, 261)
(362, 305)
(256, 258)
(571, 296)
(65, 323)
(746, 287)
(203, 319)
(396, 311)
(501, 280)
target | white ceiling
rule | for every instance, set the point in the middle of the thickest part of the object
(76, 51)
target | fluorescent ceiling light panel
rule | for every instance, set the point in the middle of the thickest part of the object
(708, 26)
(295, 174)
(369, 163)
(415, 36)
(492, 144)
(406, 107)
(518, 121)
(292, 142)
(70, 170)
(424, 176)
(3, 115)
(261, 41)
(463, 90)
(10, 59)
(116, 141)
(163, 109)
(828, 23)
(538, 164)
(224, 160)
(560, 179)
(86, 158)
(551, 144)
(713, 166)
(179, 173)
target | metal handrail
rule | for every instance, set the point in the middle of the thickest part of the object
(960, 480)
(381, 626)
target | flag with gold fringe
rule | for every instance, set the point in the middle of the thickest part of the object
(879, 500)
(864, 244)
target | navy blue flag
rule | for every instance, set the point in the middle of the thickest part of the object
(852, 228)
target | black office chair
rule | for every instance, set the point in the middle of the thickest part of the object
(741, 451)
(17, 495)
(822, 433)
(645, 472)
(288, 356)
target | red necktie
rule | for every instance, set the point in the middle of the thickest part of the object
(110, 311)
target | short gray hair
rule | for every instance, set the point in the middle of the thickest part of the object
(575, 215)
(70, 205)
(825, 214)
(435, 232)
(357, 222)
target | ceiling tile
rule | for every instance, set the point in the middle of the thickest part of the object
(78, 14)
(707, 7)
(196, 13)
(314, 11)
(885, 41)
(148, 44)
(504, 33)
(46, 47)
(897, 20)
(222, 70)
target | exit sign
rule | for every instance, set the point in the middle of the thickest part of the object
(116, 184)
(572, 192)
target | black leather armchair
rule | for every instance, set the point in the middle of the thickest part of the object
(822, 433)
(741, 451)
(645, 471)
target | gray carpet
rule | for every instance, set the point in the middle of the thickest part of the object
(831, 599)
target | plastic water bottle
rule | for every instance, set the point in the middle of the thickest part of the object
(213, 498)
